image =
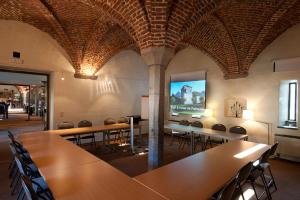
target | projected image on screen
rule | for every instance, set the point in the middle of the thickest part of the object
(187, 98)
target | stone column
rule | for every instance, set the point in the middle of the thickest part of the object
(157, 58)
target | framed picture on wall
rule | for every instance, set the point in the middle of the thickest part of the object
(234, 106)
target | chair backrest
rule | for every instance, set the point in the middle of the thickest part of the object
(85, 123)
(228, 190)
(123, 120)
(109, 121)
(23, 166)
(184, 122)
(65, 125)
(218, 127)
(265, 156)
(11, 135)
(18, 147)
(273, 149)
(244, 172)
(238, 130)
(197, 124)
(28, 188)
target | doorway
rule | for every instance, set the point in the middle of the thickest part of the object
(24, 99)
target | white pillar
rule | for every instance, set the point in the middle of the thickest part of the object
(157, 59)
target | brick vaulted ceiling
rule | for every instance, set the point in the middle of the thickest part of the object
(232, 32)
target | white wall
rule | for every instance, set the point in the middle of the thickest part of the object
(260, 88)
(114, 94)
(117, 92)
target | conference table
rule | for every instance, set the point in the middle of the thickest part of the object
(73, 173)
(105, 129)
(194, 131)
(200, 175)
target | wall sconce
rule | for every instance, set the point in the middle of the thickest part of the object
(62, 76)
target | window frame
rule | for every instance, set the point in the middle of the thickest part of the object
(289, 102)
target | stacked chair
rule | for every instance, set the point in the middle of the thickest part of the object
(91, 136)
(26, 180)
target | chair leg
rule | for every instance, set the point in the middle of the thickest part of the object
(241, 191)
(12, 181)
(20, 194)
(16, 185)
(11, 163)
(252, 184)
(13, 170)
(172, 139)
(266, 186)
(272, 177)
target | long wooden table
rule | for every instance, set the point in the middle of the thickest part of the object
(73, 173)
(201, 175)
(86, 130)
(226, 136)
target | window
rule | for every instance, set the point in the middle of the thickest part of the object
(288, 104)
(292, 104)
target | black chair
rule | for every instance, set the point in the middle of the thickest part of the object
(211, 140)
(86, 123)
(34, 190)
(199, 139)
(115, 133)
(242, 177)
(125, 133)
(265, 165)
(257, 172)
(227, 192)
(238, 130)
(179, 135)
(32, 173)
(67, 125)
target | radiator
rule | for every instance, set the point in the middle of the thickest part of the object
(289, 147)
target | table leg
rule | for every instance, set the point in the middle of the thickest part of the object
(192, 142)
(141, 137)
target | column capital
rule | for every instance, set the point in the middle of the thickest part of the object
(157, 55)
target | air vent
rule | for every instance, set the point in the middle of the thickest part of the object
(283, 65)
(16, 54)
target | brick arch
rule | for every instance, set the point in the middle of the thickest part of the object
(206, 40)
(185, 16)
(75, 33)
(130, 15)
(100, 50)
(286, 16)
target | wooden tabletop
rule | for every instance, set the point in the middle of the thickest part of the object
(97, 180)
(92, 129)
(51, 152)
(73, 173)
(205, 132)
(201, 175)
